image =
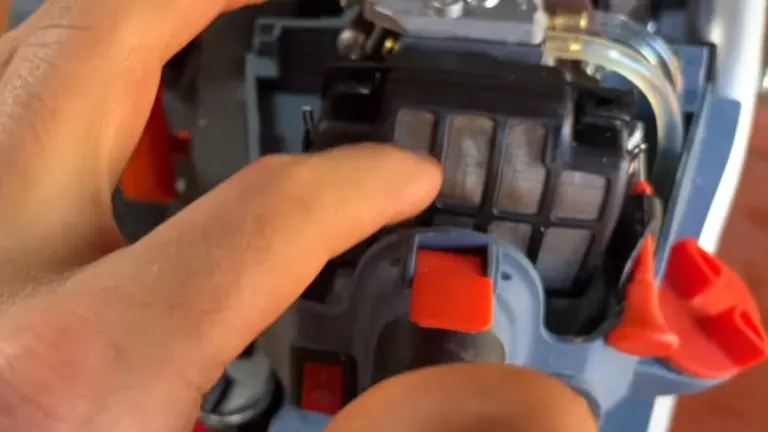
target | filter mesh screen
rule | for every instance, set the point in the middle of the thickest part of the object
(579, 195)
(466, 159)
(523, 173)
(414, 130)
(516, 234)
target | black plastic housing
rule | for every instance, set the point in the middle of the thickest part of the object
(587, 131)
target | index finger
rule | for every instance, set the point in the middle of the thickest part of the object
(204, 284)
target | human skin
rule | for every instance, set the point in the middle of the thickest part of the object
(98, 335)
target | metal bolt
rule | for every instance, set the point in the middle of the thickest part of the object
(350, 43)
(390, 45)
(450, 9)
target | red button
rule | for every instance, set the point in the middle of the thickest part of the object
(713, 313)
(322, 387)
(451, 291)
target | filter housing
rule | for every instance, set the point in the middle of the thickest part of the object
(529, 156)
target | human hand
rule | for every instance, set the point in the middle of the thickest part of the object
(96, 335)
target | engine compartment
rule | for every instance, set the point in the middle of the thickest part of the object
(607, 101)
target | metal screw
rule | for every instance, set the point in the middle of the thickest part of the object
(350, 43)
(450, 9)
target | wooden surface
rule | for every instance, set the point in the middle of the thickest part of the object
(5, 13)
(742, 405)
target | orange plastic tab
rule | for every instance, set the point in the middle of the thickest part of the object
(322, 388)
(642, 330)
(713, 313)
(149, 175)
(642, 187)
(451, 291)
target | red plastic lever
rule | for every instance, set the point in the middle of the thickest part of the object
(643, 330)
(451, 291)
(713, 313)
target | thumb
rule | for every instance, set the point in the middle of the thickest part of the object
(211, 279)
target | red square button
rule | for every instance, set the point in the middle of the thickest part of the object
(322, 387)
(451, 291)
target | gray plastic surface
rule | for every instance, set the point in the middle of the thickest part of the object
(605, 376)
(251, 392)
(510, 21)
(279, 112)
(379, 294)
(695, 68)
(219, 128)
(291, 419)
